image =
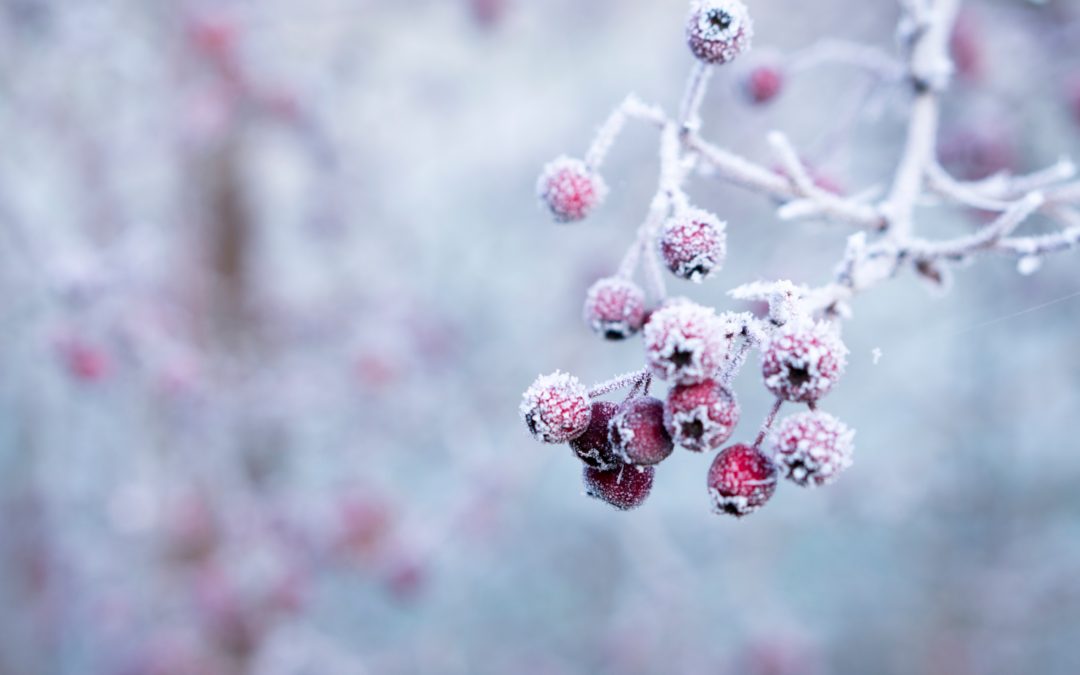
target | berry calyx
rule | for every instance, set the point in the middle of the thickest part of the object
(802, 361)
(718, 30)
(637, 432)
(702, 416)
(556, 408)
(593, 447)
(763, 84)
(812, 448)
(570, 189)
(685, 343)
(693, 244)
(625, 488)
(615, 308)
(741, 479)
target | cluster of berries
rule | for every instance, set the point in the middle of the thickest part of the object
(691, 347)
(697, 351)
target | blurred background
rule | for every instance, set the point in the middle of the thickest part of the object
(274, 278)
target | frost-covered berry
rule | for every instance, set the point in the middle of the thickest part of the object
(701, 416)
(812, 448)
(741, 480)
(685, 343)
(693, 244)
(624, 488)
(570, 189)
(802, 361)
(718, 30)
(763, 84)
(637, 431)
(593, 447)
(556, 408)
(615, 308)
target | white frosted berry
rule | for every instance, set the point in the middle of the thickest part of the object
(556, 408)
(812, 448)
(685, 343)
(615, 308)
(802, 361)
(718, 30)
(693, 244)
(570, 189)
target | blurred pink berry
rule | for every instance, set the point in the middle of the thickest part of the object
(812, 448)
(570, 189)
(556, 408)
(625, 487)
(802, 361)
(741, 479)
(1072, 94)
(693, 244)
(213, 35)
(975, 152)
(965, 46)
(615, 308)
(701, 417)
(637, 431)
(365, 526)
(763, 83)
(85, 361)
(405, 578)
(718, 30)
(593, 447)
(684, 343)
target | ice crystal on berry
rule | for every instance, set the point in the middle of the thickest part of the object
(741, 479)
(556, 408)
(593, 447)
(802, 361)
(615, 308)
(718, 30)
(570, 189)
(812, 448)
(637, 431)
(685, 342)
(701, 416)
(693, 244)
(625, 488)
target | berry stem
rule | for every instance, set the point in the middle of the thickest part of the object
(620, 382)
(696, 85)
(769, 420)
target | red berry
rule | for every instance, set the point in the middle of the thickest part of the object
(615, 308)
(693, 244)
(741, 480)
(701, 416)
(85, 361)
(718, 30)
(802, 361)
(965, 47)
(812, 447)
(593, 446)
(570, 189)
(637, 431)
(624, 488)
(556, 408)
(764, 83)
(685, 342)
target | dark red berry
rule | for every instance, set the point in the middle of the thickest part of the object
(802, 361)
(593, 447)
(615, 308)
(637, 431)
(556, 408)
(718, 30)
(625, 487)
(701, 416)
(570, 189)
(812, 448)
(741, 480)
